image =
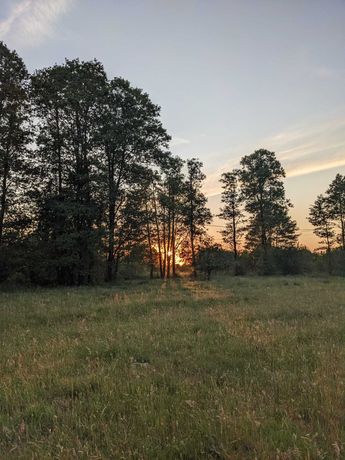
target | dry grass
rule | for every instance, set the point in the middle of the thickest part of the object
(231, 369)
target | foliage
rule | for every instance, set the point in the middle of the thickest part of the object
(284, 261)
(211, 257)
(14, 139)
(197, 215)
(231, 210)
(263, 194)
(336, 199)
(319, 216)
(87, 183)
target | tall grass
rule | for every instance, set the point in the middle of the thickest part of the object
(238, 368)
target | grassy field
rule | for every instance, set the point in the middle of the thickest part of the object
(239, 368)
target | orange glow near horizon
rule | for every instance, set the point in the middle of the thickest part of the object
(178, 259)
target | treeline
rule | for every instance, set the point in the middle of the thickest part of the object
(257, 222)
(87, 179)
(87, 182)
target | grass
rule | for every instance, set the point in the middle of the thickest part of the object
(244, 368)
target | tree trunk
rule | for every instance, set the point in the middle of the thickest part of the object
(158, 239)
(4, 194)
(168, 246)
(234, 236)
(263, 228)
(150, 246)
(329, 252)
(111, 242)
(164, 249)
(193, 254)
(173, 243)
(58, 148)
(191, 230)
(116, 267)
(342, 225)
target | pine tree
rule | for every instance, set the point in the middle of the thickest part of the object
(336, 199)
(232, 210)
(320, 216)
(263, 194)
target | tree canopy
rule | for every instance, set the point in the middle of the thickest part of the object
(88, 184)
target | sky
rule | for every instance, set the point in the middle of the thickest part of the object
(230, 76)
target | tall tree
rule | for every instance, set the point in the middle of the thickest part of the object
(284, 233)
(131, 218)
(48, 96)
(132, 140)
(320, 216)
(264, 200)
(68, 99)
(175, 195)
(14, 132)
(52, 191)
(336, 198)
(232, 211)
(197, 215)
(168, 206)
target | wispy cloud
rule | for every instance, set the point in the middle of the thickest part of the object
(29, 22)
(308, 148)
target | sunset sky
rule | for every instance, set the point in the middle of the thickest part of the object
(230, 76)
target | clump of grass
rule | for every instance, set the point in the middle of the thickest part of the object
(228, 369)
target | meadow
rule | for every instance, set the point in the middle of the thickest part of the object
(235, 368)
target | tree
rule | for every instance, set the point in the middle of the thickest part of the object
(197, 215)
(131, 139)
(84, 92)
(336, 199)
(130, 221)
(211, 257)
(320, 216)
(52, 191)
(263, 194)
(67, 101)
(231, 211)
(168, 208)
(284, 233)
(48, 96)
(14, 133)
(98, 141)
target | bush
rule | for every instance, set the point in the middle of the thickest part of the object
(283, 261)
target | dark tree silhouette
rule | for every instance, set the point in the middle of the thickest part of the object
(197, 215)
(132, 138)
(320, 216)
(231, 211)
(263, 194)
(87, 182)
(14, 133)
(336, 198)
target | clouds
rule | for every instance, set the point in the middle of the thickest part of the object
(30, 22)
(304, 149)
(309, 149)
